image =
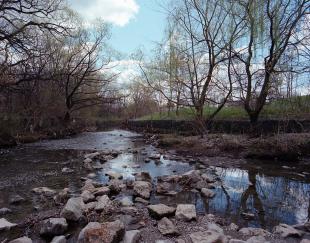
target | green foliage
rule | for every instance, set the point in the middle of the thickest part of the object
(296, 107)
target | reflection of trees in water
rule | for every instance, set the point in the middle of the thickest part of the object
(252, 192)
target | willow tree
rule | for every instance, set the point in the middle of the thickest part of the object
(207, 31)
(271, 29)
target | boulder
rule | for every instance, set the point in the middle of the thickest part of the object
(208, 178)
(73, 209)
(126, 202)
(186, 212)
(114, 175)
(287, 231)
(160, 210)
(142, 201)
(132, 236)
(116, 186)
(142, 189)
(53, 226)
(91, 155)
(87, 196)
(111, 232)
(6, 225)
(143, 176)
(250, 231)
(4, 211)
(190, 178)
(62, 196)
(102, 191)
(16, 199)
(59, 239)
(44, 191)
(208, 236)
(215, 227)
(167, 227)
(104, 204)
(88, 186)
(207, 193)
(257, 239)
(90, 206)
(21, 240)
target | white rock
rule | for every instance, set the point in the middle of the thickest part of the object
(104, 204)
(87, 196)
(91, 155)
(160, 210)
(142, 189)
(208, 236)
(167, 227)
(132, 236)
(254, 232)
(126, 202)
(287, 231)
(54, 226)
(6, 225)
(59, 239)
(186, 212)
(73, 209)
(22, 240)
(45, 191)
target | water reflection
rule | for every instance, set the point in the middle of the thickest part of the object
(272, 200)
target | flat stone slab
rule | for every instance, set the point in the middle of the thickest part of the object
(160, 210)
(186, 212)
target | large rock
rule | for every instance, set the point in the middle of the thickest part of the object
(143, 176)
(21, 240)
(186, 212)
(160, 210)
(287, 231)
(126, 202)
(6, 225)
(54, 226)
(116, 186)
(44, 191)
(112, 232)
(4, 211)
(167, 227)
(190, 178)
(87, 196)
(89, 186)
(114, 175)
(207, 193)
(250, 231)
(132, 236)
(104, 204)
(62, 196)
(257, 239)
(74, 209)
(142, 189)
(16, 199)
(59, 239)
(209, 236)
(91, 155)
(102, 191)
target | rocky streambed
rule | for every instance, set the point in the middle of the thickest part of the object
(118, 187)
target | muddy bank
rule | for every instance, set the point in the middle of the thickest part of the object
(283, 147)
(111, 178)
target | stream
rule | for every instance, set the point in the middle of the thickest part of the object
(274, 192)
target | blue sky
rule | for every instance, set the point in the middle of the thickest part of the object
(146, 28)
(135, 23)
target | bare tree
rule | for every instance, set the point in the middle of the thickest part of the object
(204, 52)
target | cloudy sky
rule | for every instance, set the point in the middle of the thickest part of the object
(136, 23)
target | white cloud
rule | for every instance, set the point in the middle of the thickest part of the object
(117, 12)
(127, 70)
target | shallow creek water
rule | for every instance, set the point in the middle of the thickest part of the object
(273, 192)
